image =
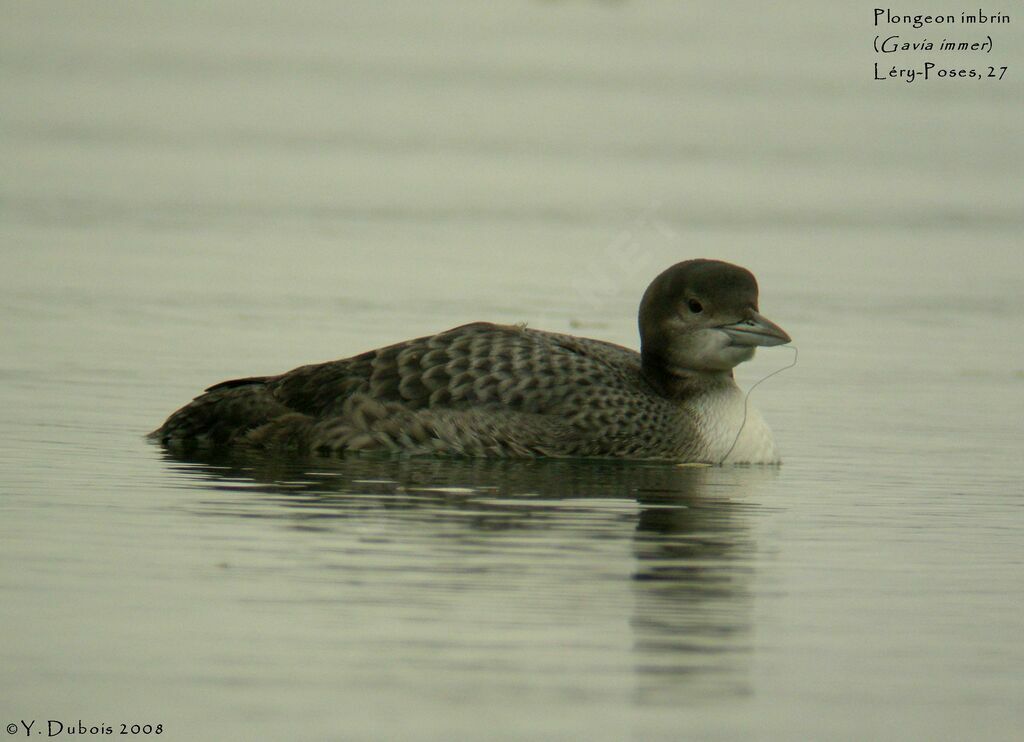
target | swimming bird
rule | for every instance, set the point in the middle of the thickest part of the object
(484, 389)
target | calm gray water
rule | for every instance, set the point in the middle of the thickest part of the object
(198, 191)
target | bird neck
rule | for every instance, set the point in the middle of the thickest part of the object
(676, 382)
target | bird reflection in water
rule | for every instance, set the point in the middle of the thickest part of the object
(693, 584)
(689, 531)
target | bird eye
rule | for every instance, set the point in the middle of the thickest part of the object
(695, 306)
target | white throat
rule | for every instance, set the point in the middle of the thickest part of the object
(721, 416)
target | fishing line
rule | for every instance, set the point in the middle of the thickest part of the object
(746, 400)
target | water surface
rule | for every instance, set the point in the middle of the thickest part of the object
(221, 190)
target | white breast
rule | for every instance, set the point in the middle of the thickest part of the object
(721, 416)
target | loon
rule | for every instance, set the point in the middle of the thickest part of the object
(508, 391)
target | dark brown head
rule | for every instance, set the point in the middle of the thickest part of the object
(702, 316)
